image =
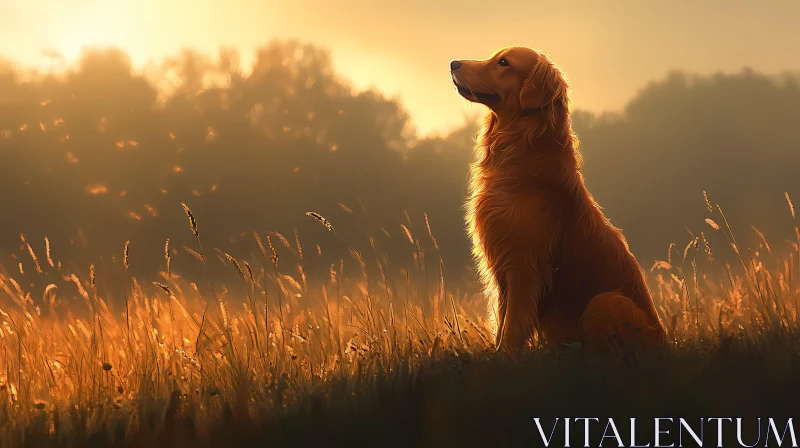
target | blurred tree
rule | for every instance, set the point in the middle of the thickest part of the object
(103, 154)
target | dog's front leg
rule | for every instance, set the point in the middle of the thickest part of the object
(501, 309)
(521, 300)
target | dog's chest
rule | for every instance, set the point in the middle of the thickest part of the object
(505, 207)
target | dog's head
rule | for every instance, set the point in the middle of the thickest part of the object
(514, 80)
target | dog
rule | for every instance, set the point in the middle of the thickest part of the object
(550, 261)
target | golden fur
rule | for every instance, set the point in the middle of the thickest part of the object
(547, 255)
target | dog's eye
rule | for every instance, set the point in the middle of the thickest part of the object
(503, 62)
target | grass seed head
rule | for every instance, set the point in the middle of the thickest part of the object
(322, 220)
(192, 220)
(126, 254)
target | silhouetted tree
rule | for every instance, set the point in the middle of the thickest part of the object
(103, 154)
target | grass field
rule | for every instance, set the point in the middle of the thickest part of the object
(392, 359)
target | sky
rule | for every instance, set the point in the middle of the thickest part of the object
(609, 50)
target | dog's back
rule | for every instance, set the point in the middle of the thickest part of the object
(597, 281)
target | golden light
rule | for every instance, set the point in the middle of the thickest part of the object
(71, 158)
(97, 189)
(120, 144)
(177, 169)
(134, 216)
(95, 27)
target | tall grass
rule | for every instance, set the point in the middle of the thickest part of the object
(76, 366)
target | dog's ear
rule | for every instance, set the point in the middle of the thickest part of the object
(544, 86)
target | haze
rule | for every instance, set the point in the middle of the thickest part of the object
(608, 50)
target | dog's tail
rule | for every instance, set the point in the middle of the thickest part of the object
(612, 319)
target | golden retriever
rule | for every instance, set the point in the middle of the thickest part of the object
(550, 260)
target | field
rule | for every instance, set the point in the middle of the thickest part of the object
(276, 359)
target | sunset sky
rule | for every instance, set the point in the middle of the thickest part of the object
(609, 50)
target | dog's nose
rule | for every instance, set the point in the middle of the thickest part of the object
(455, 65)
